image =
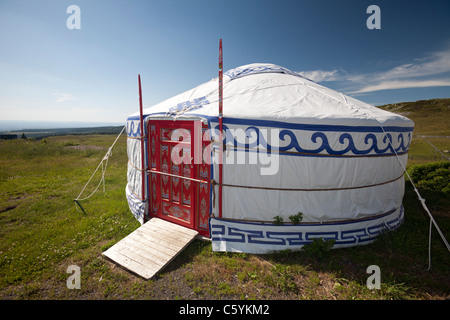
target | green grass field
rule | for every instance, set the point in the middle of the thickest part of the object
(431, 125)
(43, 233)
(41, 229)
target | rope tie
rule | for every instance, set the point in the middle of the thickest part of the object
(103, 164)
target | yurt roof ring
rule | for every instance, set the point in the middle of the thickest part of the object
(257, 69)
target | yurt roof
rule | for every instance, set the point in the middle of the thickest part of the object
(269, 92)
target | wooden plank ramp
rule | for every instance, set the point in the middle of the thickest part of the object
(150, 247)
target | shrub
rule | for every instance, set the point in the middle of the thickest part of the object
(278, 220)
(433, 176)
(318, 247)
(296, 218)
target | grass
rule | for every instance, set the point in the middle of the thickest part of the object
(42, 233)
(422, 152)
(430, 116)
(430, 126)
(40, 226)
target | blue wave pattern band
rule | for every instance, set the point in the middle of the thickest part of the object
(133, 128)
(345, 139)
(400, 138)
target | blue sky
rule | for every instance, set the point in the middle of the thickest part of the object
(50, 72)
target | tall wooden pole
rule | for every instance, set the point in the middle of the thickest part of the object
(142, 143)
(221, 142)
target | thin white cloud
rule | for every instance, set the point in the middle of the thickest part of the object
(63, 97)
(424, 72)
(437, 63)
(392, 85)
(320, 75)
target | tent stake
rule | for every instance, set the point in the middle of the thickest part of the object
(79, 204)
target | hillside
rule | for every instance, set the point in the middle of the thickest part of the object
(431, 139)
(431, 117)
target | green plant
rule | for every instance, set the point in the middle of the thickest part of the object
(278, 220)
(296, 218)
(318, 247)
(282, 278)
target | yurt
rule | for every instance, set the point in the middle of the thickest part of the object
(295, 161)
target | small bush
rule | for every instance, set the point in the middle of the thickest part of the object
(278, 220)
(296, 218)
(318, 247)
(433, 176)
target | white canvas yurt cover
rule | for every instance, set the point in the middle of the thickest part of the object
(291, 145)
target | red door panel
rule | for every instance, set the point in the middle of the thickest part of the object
(173, 198)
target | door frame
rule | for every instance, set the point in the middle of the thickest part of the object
(199, 179)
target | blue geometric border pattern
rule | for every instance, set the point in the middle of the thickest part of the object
(241, 72)
(190, 105)
(346, 140)
(345, 234)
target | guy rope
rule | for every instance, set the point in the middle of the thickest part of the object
(103, 164)
(421, 199)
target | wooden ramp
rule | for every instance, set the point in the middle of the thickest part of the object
(151, 247)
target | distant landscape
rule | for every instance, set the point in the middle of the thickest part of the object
(431, 137)
(38, 130)
(430, 118)
(17, 125)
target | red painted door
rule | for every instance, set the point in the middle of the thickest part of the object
(175, 193)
